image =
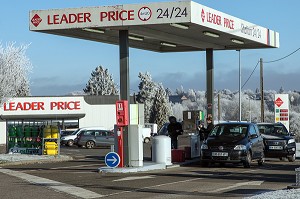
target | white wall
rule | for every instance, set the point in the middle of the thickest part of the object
(99, 115)
(2, 132)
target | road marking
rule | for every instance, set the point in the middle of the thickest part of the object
(59, 186)
(84, 165)
(159, 185)
(134, 178)
(56, 168)
(251, 183)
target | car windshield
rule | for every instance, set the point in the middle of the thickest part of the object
(163, 130)
(272, 129)
(229, 130)
(75, 132)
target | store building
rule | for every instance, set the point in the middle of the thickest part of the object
(66, 112)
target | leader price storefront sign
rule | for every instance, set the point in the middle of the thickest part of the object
(43, 105)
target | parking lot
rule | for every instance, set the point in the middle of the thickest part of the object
(79, 178)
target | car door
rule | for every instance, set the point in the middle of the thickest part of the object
(98, 138)
(107, 138)
(110, 138)
(255, 142)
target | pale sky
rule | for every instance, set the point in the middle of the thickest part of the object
(62, 64)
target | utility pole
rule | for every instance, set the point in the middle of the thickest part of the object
(240, 87)
(262, 108)
(219, 108)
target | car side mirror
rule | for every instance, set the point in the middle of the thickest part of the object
(292, 134)
(253, 136)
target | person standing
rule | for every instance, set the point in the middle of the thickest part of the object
(203, 132)
(174, 130)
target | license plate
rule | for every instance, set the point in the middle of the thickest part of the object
(275, 147)
(219, 154)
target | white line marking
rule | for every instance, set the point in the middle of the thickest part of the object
(159, 185)
(84, 165)
(256, 183)
(134, 178)
(59, 186)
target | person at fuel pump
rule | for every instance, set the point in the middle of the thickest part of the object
(203, 132)
(174, 130)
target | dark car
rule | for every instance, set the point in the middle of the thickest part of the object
(233, 142)
(279, 143)
(95, 138)
(163, 130)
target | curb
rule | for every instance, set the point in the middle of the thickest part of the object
(38, 160)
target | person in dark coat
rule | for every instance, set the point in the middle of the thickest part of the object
(203, 132)
(174, 130)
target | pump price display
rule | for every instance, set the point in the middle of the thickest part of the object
(169, 13)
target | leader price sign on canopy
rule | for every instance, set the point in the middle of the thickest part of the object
(184, 25)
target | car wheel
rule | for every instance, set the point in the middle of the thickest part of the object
(70, 143)
(146, 140)
(261, 161)
(248, 160)
(292, 158)
(222, 164)
(204, 164)
(90, 144)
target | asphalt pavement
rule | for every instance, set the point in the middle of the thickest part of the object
(17, 159)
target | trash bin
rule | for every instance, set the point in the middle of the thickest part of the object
(195, 146)
(161, 149)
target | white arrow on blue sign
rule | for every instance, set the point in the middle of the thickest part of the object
(112, 159)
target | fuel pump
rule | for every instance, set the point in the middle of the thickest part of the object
(122, 121)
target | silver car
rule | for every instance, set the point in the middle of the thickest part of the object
(95, 138)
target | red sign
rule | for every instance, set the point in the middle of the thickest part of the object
(36, 20)
(278, 102)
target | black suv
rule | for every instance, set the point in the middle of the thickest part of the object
(233, 142)
(279, 143)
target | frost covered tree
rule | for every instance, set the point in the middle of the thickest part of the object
(15, 67)
(161, 107)
(146, 94)
(168, 91)
(101, 83)
(180, 91)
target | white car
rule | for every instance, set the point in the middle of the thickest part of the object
(146, 134)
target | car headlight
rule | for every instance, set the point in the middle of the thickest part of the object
(240, 147)
(291, 141)
(63, 138)
(204, 146)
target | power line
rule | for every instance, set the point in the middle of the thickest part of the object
(282, 57)
(250, 75)
(268, 63)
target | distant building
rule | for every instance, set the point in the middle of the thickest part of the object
(177, 98)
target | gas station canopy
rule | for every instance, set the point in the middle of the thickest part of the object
(162, 27)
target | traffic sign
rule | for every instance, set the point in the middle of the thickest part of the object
(112, 159)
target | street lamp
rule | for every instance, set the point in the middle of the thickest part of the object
(240, 82)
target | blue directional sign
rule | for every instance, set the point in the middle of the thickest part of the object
(112, 159)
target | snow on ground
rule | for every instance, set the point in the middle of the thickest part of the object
(280, 194)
